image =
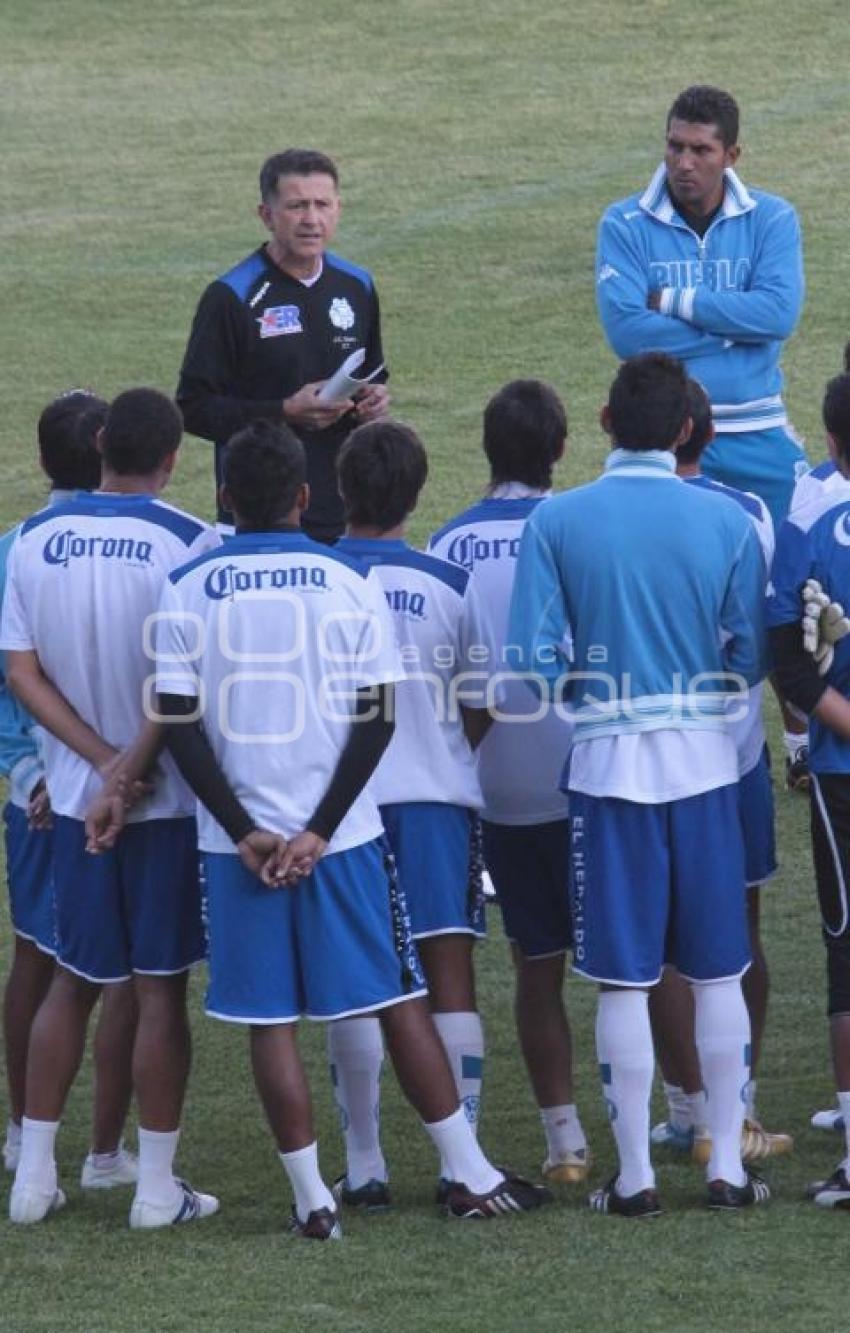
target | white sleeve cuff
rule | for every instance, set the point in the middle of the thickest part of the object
(686, 304)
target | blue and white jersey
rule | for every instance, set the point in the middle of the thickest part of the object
(814, 543)
(729, 299)
(273, 634)
(660, 590)
(820, 480)
(521, 758)
(747, 729)
(439, 628)
(83, 578)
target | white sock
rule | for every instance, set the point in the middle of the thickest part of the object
(311, 1192)
(750, 1100)
(461, 1158)
(722, 1030)
(37, 1164)
(104, 1161)
(356, 1053)
(696, 1104)
(463, 1038)
(795, 741)
(627, 1064)
(678, 1106)
(13, 1134)
(563, 1131)
(156, 1182)
(844, 1104)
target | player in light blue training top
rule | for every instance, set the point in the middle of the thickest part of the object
(671, 1010)
(703, 268)
(638, 600)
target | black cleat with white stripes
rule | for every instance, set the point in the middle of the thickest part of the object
(723, 1197)
(514, 1194)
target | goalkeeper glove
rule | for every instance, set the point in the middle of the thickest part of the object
(824, 624)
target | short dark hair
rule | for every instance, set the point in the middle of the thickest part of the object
(648, 401)
(264, 468)
(142, 428)
(847, 357)
(294, 162)
(836, 412)
(382, 467)
(67, 429)
(701, 104)
(525, 426)
(699, 411)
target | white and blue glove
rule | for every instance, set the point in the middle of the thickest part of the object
(824, 624)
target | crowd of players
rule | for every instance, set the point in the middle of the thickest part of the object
(342, 863)
(565, 689)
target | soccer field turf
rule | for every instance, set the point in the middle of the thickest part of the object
(478, 146)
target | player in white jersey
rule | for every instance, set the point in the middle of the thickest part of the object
(426, 785)
(83, 578)
(671, 1003)
(521, 759)
(289, 646)
(69, 459)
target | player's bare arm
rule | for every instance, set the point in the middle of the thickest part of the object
(48, 706)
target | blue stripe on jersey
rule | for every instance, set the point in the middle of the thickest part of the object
(345, 266)
(823, 470)
(242, 277)
(376, 551)
(748, 502)
(142, 507)
(268, 543)
(506, 510)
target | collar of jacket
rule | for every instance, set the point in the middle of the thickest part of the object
(656, 200)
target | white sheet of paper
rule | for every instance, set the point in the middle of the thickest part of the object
(343, 383)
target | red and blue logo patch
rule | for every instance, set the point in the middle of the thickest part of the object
(277, 320)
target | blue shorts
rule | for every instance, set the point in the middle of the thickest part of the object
(29, 872)
(337, 944)
(530, 868)
(755, 795)
(769, 462)
(136, 908)
(656, 884)
(437, 848)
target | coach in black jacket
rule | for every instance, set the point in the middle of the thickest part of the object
(269, 331)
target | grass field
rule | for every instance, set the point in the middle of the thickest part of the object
(478, 146)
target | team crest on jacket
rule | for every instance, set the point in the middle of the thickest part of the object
(342, 316)
(277, 320)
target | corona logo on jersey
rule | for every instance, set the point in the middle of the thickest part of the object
(277, 320)
(469, 549)
(62, 547)
(226, 580)
(404, 603)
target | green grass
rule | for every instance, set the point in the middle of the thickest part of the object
(478, 146)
